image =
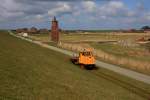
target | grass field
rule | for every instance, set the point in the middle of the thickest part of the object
(73, 37)
(92, 36)
(30, 72)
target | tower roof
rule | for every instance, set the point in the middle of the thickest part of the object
(54, 19)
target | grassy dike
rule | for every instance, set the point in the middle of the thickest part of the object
(30, 72)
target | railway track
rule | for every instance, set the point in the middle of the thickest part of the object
(126, 85)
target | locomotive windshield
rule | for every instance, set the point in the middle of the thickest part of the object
(86, 53)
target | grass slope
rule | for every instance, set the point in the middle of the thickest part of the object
(29, 72)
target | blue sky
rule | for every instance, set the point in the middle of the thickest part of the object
(75, 14)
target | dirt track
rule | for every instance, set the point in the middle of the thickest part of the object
(115, 68)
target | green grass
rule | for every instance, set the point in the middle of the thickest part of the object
(30, 72)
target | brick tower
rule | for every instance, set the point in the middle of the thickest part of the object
(55, 31)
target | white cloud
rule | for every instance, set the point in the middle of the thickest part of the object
(39, 18)
(116, 4)
(8, 8)
(146, 17)
(89, 6)
(111, 8)
(130, 13)
(61, 8)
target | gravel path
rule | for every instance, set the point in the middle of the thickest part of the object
(132, 74)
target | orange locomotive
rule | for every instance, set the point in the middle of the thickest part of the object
(84, 59)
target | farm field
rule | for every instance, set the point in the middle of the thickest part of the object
(137, 53)
(77, 37)
(134, 58)
(96, 37)
(30, 72)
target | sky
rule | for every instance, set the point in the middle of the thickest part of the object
(75, 14)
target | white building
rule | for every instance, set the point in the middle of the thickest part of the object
(23, 34)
